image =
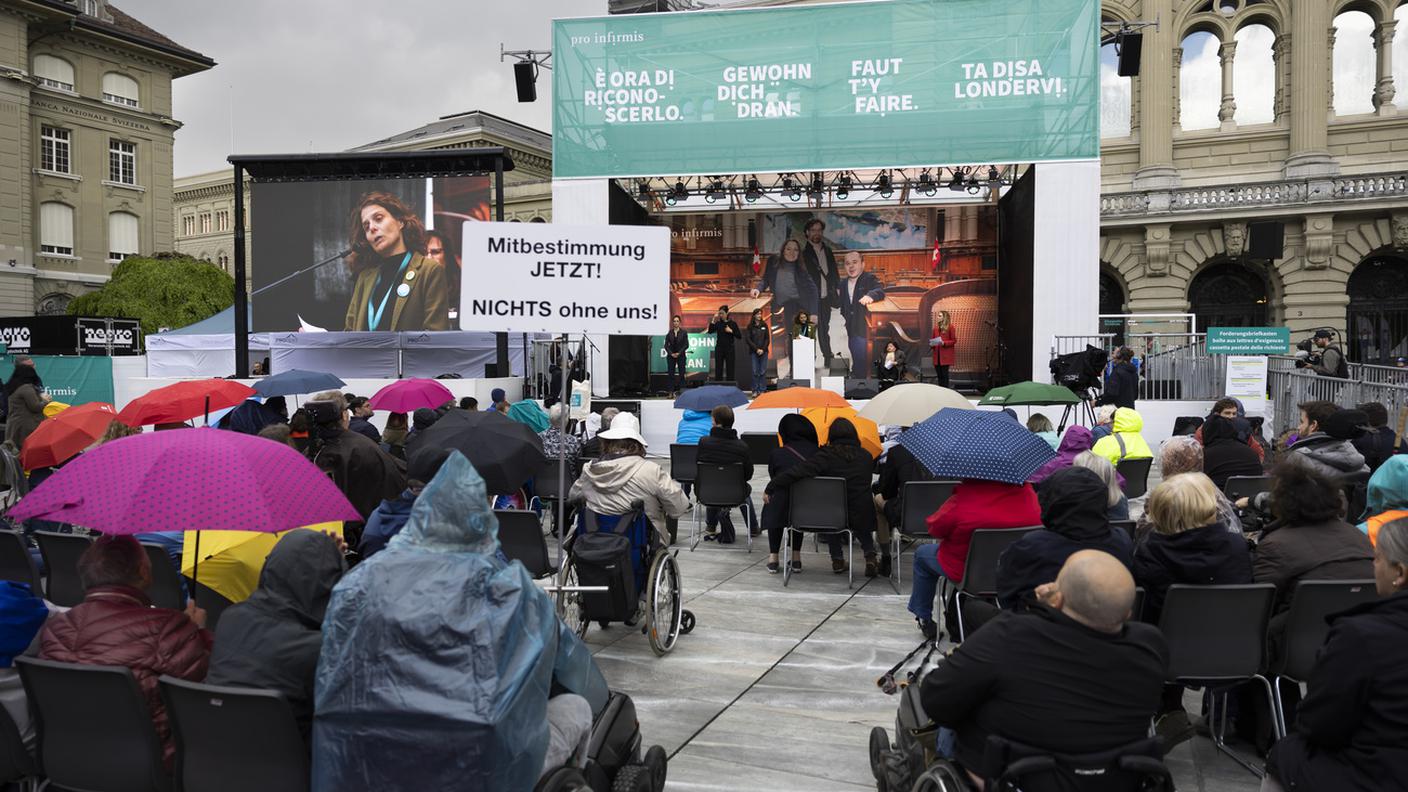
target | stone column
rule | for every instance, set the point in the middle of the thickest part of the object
(1157, 97)
(1227, 113)
(970, 222)
(1310, 92)
(1383, 88)
(1280, 51)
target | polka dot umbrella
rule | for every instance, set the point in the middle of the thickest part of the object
(972, 444)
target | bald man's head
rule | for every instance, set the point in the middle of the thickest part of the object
(1096, 590)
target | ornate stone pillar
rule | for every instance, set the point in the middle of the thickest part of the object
(1227, 113)
(1158, 97)
(1281, 64)
(1383, 87)
(1310, 66)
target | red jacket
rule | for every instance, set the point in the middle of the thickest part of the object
(117, 626)
(943, 355)
(979, 504)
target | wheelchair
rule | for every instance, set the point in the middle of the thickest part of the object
(611, 759)
(635, 576)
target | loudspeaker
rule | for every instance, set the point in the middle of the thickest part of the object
(491, 370)
(1266, 240)
(525, 80)
(862, 388)
(1130, 44)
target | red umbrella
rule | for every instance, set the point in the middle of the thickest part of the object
(409, 395)
(67, 433)
(184, 401)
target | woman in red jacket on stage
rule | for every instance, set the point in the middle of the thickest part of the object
(943, 342)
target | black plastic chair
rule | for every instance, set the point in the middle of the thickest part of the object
(761, 445)
(920, 499)
(1306, 628)
(1186, 425)
(1137, 767)
(684, 459)
(1217, 638)
(61, 553)
(1124, 525)
(980, 569)
(521, 537)
(1136, 476)
(95, 731)
(817, 505)
(17, 564)
(17, 766)
(723, 487)
(1246, 487)
(552, 487)
(1136, 611)
(165, 589)
(234, 739)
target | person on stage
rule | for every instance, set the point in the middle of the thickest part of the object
(396, 286)
(440, 248)
(676, 350)
(855, 294)
(793, 287)
(726, 334)
(821, 265)
(943, 342)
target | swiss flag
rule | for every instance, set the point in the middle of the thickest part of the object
(937, 257)
(757, 261)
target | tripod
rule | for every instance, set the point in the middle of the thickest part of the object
(1081, 411)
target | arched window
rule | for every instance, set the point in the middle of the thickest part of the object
(1354, 63)
(1115, 96)
(56, 228)
(120, 89)
(122, 235)
(1399, 52)
(1200, 82)
(54, 72)
(1111, 295)
(1378, 310)
(1228, 294)
(1254, 75)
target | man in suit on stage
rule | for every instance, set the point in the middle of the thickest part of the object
(821, 265)
(855, 293)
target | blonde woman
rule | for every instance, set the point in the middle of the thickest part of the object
(1189, 544)
(1115, 500)
(943, 341)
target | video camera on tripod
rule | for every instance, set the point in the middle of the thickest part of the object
(1080, 371)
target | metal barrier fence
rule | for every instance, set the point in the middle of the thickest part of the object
(1172, 366)
(1289, 387)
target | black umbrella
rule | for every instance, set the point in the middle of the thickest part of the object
(506, 453)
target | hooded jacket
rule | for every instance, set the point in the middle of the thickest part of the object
(1074, 513)
(22, 614)
(1125, 442)
(612, 485)
(1121, 385)
(1349, 730)
(272, 639)
(365, 474)
(1387, 496)
(974, 505)
(117, 626)
(799, 443)
(250, 417)
(1206, 556)
(693, 425)
(1077, 439)
(1337, 459)
(842, 456)
(898, 468)
(1225, 454)
(438, 659)
(24, 404)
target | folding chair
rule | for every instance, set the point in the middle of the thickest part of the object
(684, 461)
(233, 739)
(761, 445)
(1136, 476)
(980, 569)
(552, 487)
(1125, 525)
(1306, 629)
(95, 731)
(722, 487)
(921, 499)
(1217, 638)
(1246, 487)
(165, 589)
(521, 537)
(61, 553)
(16, 562)
(817, 506)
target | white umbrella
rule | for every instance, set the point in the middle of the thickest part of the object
(912, 402)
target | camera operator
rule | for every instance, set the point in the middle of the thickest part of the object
(1122, 383)
(1322, 355)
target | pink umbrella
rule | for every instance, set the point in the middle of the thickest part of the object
(409, 395)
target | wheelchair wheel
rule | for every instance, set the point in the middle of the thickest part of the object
(569, 603)
(563, 779)
(942, 777)
(879, 744)
(633, 778)
(663, 605)
(686, 622)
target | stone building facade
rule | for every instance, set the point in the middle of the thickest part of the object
(86, 132)
(1176, 203)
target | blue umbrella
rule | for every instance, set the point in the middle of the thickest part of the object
(294, 381)
(708, 397)
(972, 444)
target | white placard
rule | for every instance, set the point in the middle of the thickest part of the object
(1246, 381)
(546, 278)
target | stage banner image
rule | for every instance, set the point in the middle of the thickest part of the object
(540, 277)
(883, 84)
(71, 380)
(365, 255)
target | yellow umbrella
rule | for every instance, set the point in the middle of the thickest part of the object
(821, 418)
(54, 408)
(231, 561)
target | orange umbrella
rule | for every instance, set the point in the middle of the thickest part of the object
(799, 398)
(65, 434)
(822, 417)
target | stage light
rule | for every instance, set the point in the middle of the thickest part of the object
(994, 176)
(677, 194)
(843, 188)
(789, 186)
(974, 187)
(643, 190)
(926, 184)
(956, 183)
(715, 192)
(753, 192)
(882, 186)
(817, 187)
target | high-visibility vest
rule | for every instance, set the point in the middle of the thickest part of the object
(1379, 520)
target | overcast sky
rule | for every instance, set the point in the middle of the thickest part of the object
(326, 75)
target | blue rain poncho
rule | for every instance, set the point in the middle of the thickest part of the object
(438, 658)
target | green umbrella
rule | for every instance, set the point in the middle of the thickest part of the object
(1029, 394)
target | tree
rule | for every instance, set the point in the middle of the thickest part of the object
(165, 290)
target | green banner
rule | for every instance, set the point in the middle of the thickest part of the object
(1249, 340)
(882, 84)
(69, 379)
(699, 358)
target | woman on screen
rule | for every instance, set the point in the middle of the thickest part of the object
(396, 286)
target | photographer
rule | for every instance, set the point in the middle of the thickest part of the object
(1323, 356)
